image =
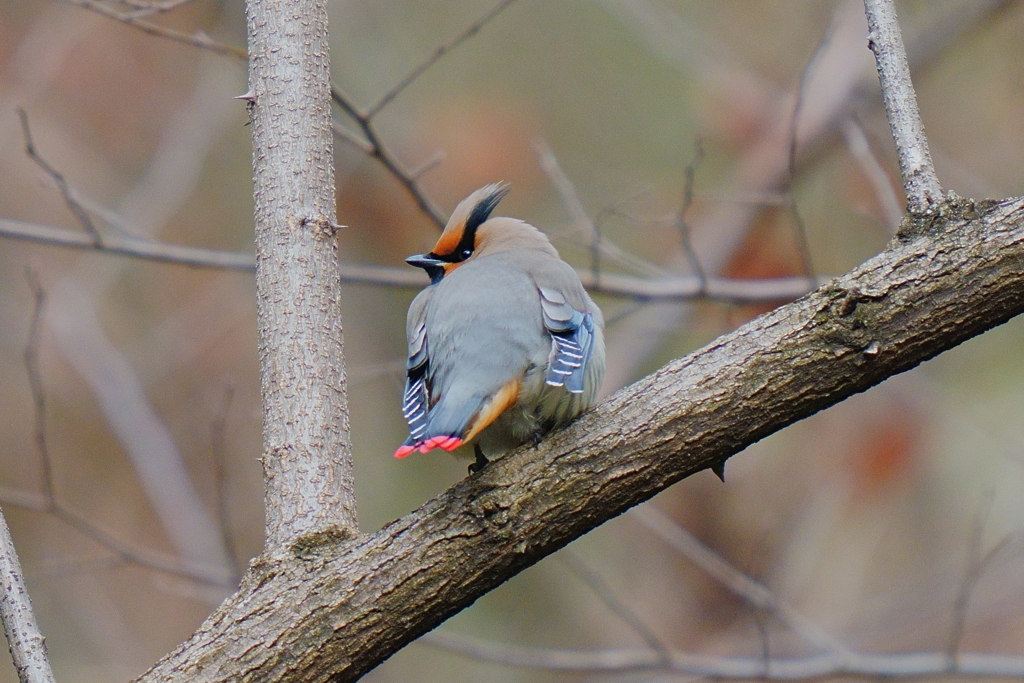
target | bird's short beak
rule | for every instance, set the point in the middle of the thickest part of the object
(425, 261)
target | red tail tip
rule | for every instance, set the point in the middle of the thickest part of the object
(451, 443)
(404, 450)
(448, 443)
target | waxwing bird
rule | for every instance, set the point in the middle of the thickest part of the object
(504, 344)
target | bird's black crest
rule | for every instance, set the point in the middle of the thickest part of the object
(480, 213)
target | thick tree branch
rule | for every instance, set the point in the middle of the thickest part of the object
(920, 182)
(328, 607)
(307, 454)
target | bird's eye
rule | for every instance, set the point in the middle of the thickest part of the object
(466, 253)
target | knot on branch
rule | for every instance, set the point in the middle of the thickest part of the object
(949, 214)
(322, 227)
(851, 319)
(491, 507)
(321, 542)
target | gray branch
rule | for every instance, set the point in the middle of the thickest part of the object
(307, 453)
(666, 288)
(924, 194)
(28, 649)
(329, 607)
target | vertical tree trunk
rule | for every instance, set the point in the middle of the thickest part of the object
(307, 458)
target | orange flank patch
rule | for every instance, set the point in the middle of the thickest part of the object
(499, 403)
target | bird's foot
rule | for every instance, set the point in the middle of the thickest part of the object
(481, 460)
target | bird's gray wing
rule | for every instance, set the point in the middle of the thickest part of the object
(572, 338)
(416, 402)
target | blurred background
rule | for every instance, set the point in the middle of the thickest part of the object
(890, 523)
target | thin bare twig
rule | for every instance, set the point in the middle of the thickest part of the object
(440, 52)
(856, 665)
(346, 135)
(595, 242)
(218, 447)
(433, 162)
(754, 198)
(31, 359)
(376, 149)
(736, 581)
(79, 565)
(803, 247)
(623, 312)
(584, 227)
(672, 288)
(145, 8)
(613, 209)
(607, 596)
(48, 501)
(28, 648)
(372, 145)
(924, 193)
(860, 148)
(684, 227)
(65, 189)
(976, 566)
(135, 247)
(198, 38)
(764, 639)
(198, 572)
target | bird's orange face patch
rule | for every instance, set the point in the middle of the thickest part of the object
(448, 242)
(455, 247)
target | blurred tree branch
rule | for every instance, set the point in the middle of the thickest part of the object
(671, 288)
(764, 166)
(49, 502)
(135, 19)
(825, 666)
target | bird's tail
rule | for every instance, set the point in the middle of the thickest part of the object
(457, 418)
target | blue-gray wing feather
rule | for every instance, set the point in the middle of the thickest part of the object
(572, 339)
(416, 401)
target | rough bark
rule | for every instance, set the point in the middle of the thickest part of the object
(307, 459)
(329, 607)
